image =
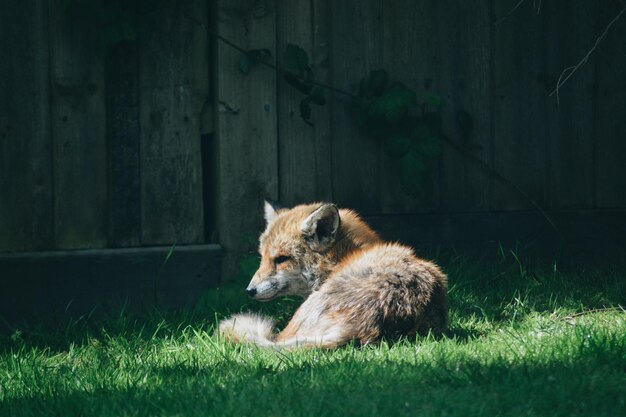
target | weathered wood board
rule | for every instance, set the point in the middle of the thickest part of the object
(520, 134)
(465, 86)
(246, 125)
(569, 32)
(78, 126)
(26, 208)
(304, 151)
(123, 135)
(355, 51)
(610, 109)
(410, 53)
(173, 91)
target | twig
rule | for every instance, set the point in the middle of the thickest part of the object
(569, 71)
(510, 12)
(503, 180)
(619, 308)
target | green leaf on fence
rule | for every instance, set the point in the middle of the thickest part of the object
(394, 104)
(305, 110)
(296, 59)
(434, 100)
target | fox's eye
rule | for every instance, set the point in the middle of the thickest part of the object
(280, 259)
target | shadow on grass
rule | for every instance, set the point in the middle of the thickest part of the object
(499, 291)
(589, 381)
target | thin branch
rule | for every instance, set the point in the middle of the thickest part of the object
(503, 180)
(569, 71)
(618, 309)
(510, 12)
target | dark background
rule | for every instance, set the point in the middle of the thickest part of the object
(134, 126)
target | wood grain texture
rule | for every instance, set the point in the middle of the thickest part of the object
(172, 93)
(610, 130)
(464, 84)
(355, 51)
(122, 117)
(246, 128)
(569, 32)
(26, 208)
(78, 123)
(304, 150)
(520, 120)
(410, 51)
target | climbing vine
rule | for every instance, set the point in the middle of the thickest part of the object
(409, 129)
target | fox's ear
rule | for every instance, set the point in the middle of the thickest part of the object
(271, 210)
(320, 228)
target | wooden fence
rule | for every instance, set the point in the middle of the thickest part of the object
(162, 139)
(496, 60)
(101, 147)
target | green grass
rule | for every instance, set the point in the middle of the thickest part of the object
(514, 349)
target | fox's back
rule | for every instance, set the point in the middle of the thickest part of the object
(387, 291)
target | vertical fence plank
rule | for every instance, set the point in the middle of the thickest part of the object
(172, 94)
(78, 125)
(410, 55)
(122, 114)
(569, 33)
(246, 127)
(465, 86)
(355, 51)
(304, 151)
(321, 35)
(25, 142)
(520, 131)
(610, 122)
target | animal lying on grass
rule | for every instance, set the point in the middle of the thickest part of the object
(356, 287)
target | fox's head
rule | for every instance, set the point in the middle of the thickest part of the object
(294, 250)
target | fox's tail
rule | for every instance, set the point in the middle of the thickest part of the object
(250, 328)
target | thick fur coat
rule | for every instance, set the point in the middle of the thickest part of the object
(356, 287)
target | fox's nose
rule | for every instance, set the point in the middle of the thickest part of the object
(251, 291)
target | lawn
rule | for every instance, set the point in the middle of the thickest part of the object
(523, 341)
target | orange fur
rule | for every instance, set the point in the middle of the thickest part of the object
(356, 287)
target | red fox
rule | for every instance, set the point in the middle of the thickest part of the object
(356, 287)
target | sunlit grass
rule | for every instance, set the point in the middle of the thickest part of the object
(515, 347)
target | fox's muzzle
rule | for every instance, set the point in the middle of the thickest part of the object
(264, 289)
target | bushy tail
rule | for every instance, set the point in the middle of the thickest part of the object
(248, 328)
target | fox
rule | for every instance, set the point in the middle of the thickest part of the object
(356, 287)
